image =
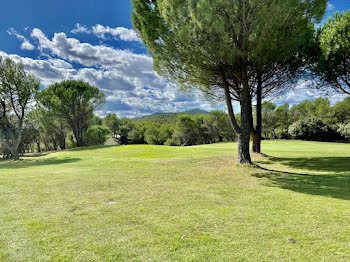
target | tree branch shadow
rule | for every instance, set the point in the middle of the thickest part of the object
(24, 163)
(335, 184)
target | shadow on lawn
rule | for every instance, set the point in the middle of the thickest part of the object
(24, 163)
(336, 184)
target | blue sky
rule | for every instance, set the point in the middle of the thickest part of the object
(93, 40)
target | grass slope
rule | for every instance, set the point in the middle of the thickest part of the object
(157, 203)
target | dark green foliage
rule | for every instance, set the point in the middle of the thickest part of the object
(136, 136)
(96, 120)
(126, 125)
(332, 53)
(342, 111)
(97, 135)
(112, 122)
(313, 129)
(186, 132)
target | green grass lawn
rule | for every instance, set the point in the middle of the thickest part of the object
(157, 203)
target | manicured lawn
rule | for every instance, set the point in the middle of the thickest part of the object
(157, 203)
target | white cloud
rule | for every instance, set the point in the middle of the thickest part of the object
(131, 85)
(121, 32)
(80, 29)
(26, 45)
(306, 90)
(330, 6)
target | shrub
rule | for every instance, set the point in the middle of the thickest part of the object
(97, 135)
(344, 130)
(171, 142)
(313, 129)
(284, 135)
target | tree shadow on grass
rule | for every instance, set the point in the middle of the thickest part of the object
(24, 163)
(88, 148)
(336, 184)
(323, 164)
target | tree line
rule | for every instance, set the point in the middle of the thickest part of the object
(62, 116)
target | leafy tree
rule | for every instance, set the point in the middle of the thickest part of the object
(318, 108)
(313, 129)
(96, 121)
(183, 36)
(217, 125)
(126, 125)
(186, 131)
(136, 136)
(112, 122)
(282, 117)
(152, 136)
(268, 119)
(73, 101)
(50, 129)
(97, 135)
(344, 130)
(165, 132)
(17, 91)
(333, 52)
(342, 111)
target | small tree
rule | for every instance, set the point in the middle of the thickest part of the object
(17, 92)
(342, 111)
(186, 132)
(112, 122)
(97, 135)
(74, 101)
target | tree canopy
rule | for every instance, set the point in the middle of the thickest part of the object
(333, 56)
(220, 46)
(74, 101)
(17, 92)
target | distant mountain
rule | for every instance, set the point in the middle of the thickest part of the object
(170, 117)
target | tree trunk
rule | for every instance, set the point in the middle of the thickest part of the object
(256, 134)
(63, 143)
(78, 138)
(246, 125)
(38, 145)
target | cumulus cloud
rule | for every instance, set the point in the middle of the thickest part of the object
(118, 32)
(26, 45)
(306, 90)
(131, 85)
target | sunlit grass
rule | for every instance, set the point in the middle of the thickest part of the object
(157, 203)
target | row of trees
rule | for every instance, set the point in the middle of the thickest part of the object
(28, 115)
(285, 122)
(243, 50)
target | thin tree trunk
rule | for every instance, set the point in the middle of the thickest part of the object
(246, 125)
(256, 134)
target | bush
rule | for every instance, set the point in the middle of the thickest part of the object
(284, 135)
(313, 129)
(171, 142)
(97, 135)
(344, 130)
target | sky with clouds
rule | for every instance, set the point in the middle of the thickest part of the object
(93, 40)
